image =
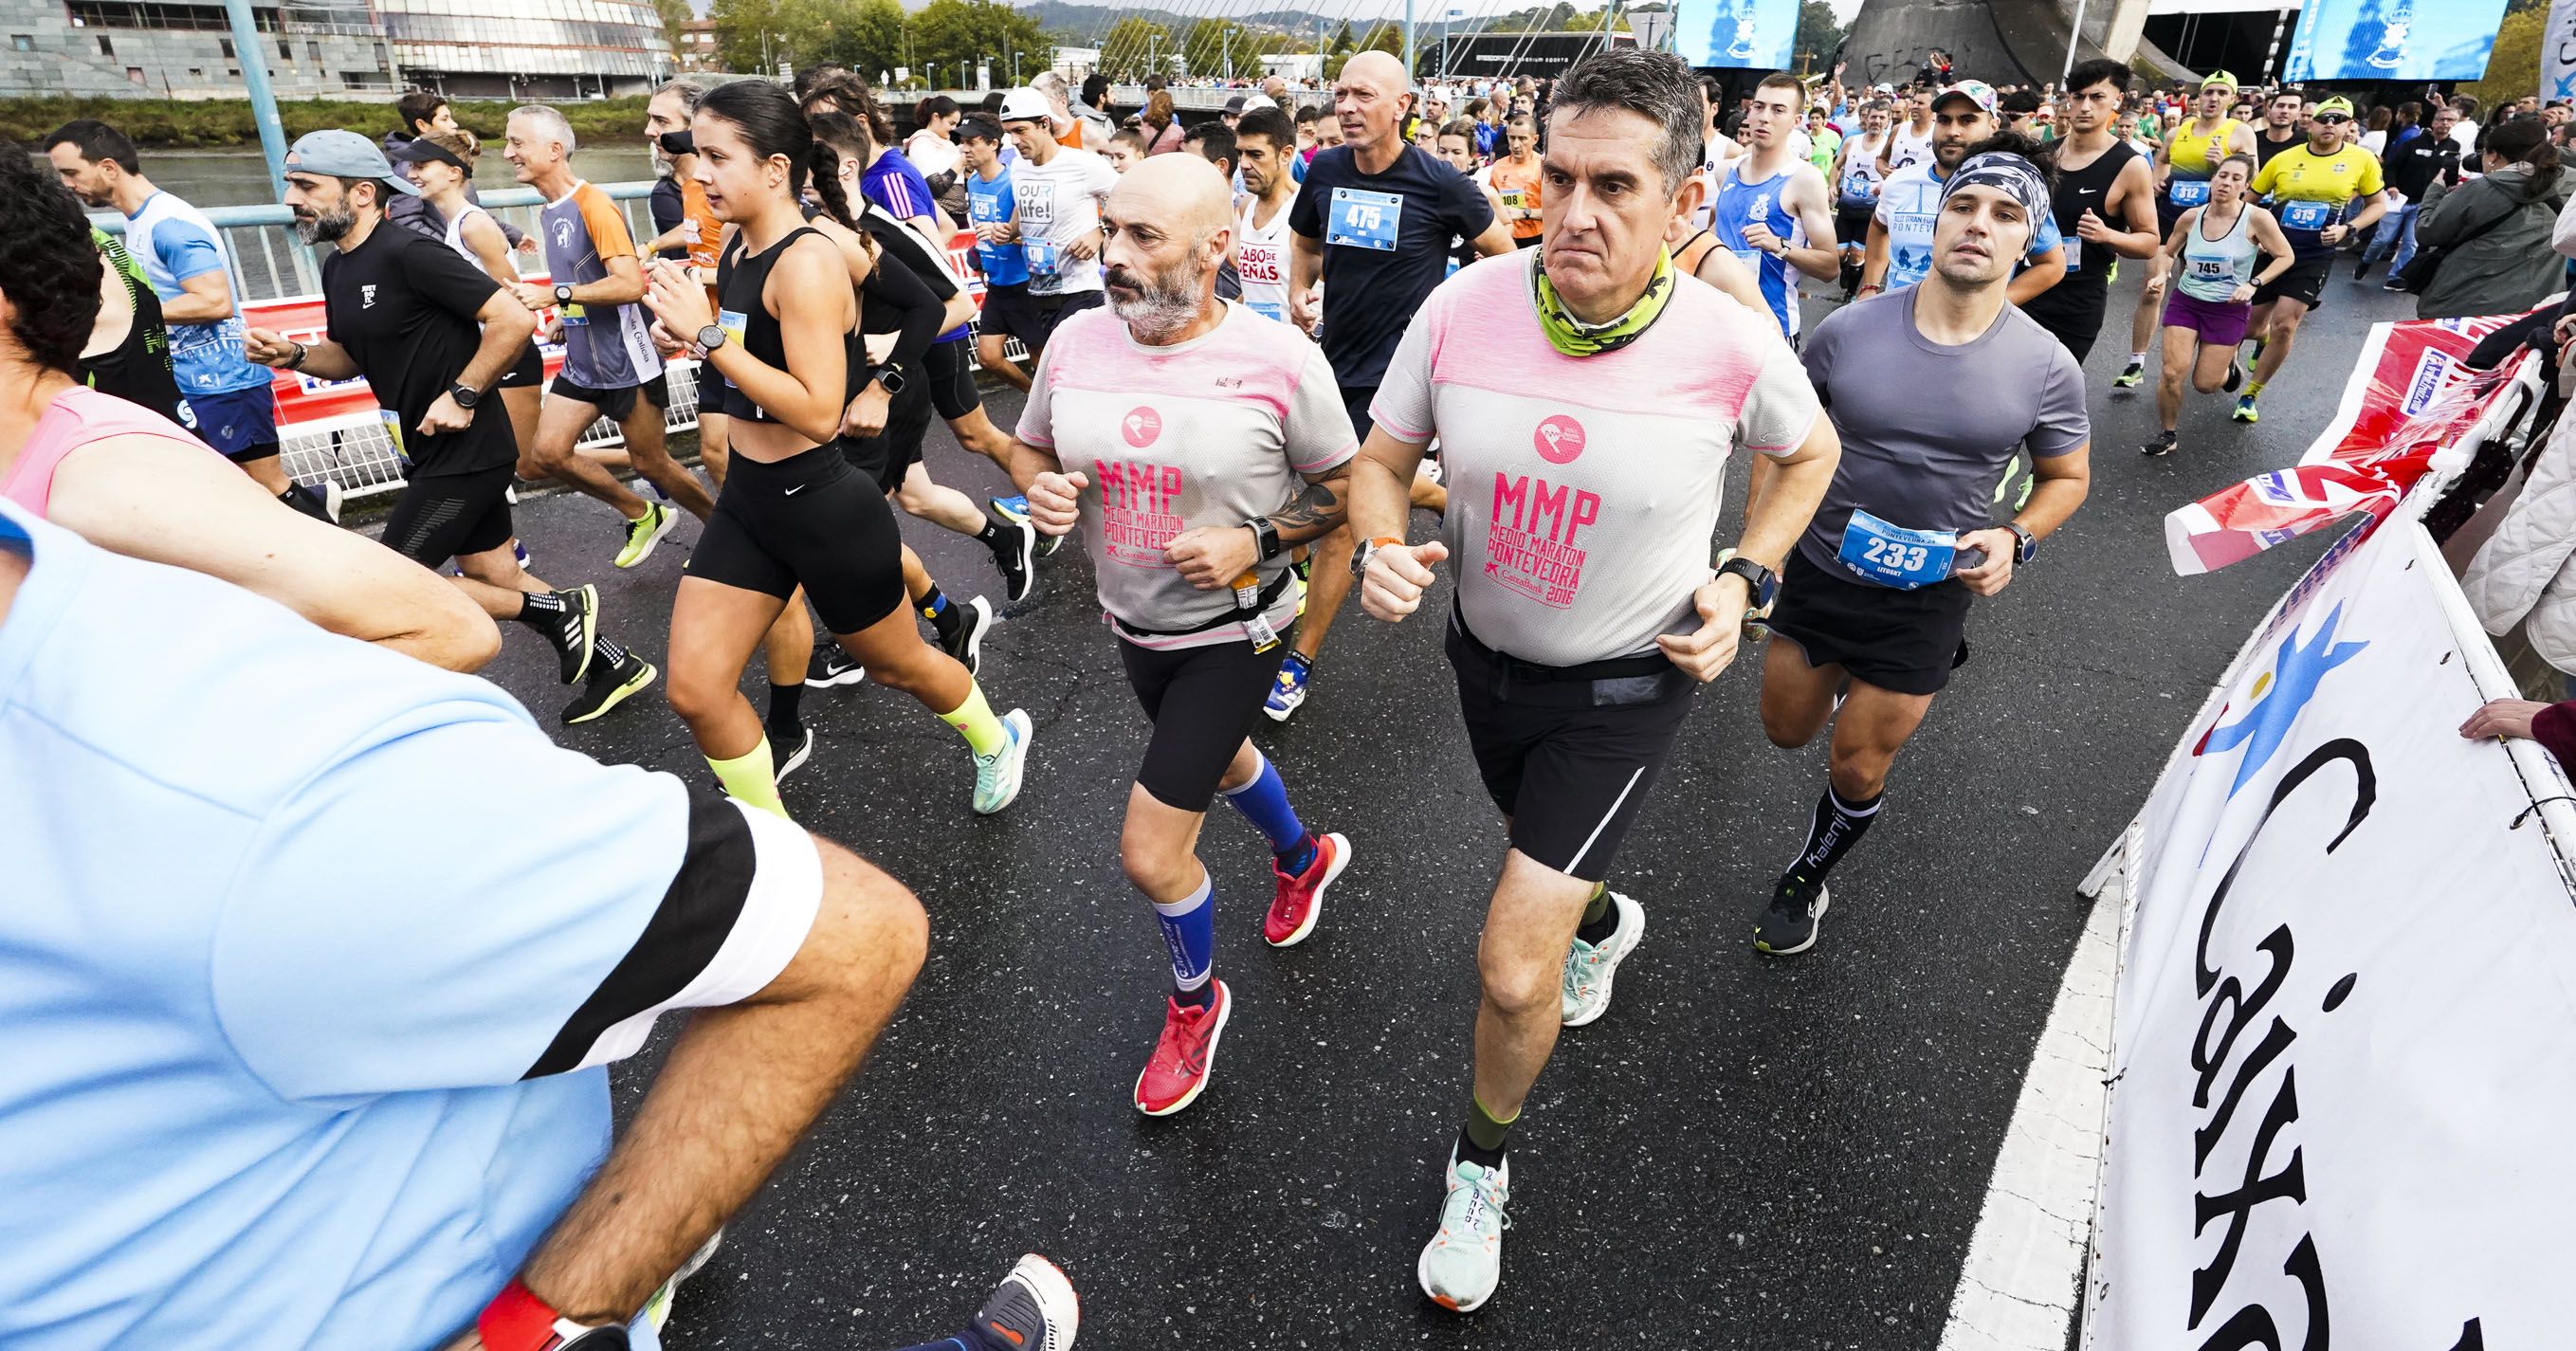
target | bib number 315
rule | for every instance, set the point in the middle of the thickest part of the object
(1892, 555)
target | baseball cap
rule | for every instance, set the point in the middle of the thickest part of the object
(2219, 77)
(1253, 103)
(1026, 105)
(345, 154)
(2337, 104)
(1235, 104)
(1977, 92)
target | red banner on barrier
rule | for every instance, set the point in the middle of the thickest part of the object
(2411, 396)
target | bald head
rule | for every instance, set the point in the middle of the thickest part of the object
(1175, 194)
(1378, 68)
(1369, 104)
(1169, 221)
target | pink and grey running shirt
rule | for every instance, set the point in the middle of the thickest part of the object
(1584, 491)
(1210, 432)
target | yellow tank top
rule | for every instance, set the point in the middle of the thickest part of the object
(2198, 156)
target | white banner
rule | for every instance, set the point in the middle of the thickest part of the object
(2558, 52)
(2344, 1052)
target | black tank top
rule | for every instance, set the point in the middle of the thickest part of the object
(741, 277)
(2082, 190)
(137, 369)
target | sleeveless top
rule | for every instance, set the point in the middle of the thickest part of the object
(741, 277)
(138, 368)
(1858, 188)
(456, 234)
(1740, 204)
(2212, 269)
(2082, 190)
(2194, 158)
(79, 416)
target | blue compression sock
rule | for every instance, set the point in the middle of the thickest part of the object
(1264, 802)
(1189, 931)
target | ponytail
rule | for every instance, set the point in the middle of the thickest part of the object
(2524, 142)
(839, 136)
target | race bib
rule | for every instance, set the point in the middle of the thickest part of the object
(734, 325)
(2187, 192)
(1364, 220)
(2074, 254)
(2209, 269)
(1515, 199)
(1894, 556)
(1751, 258)
(1269, 309)
(1045, 258)
(2306, 215)
(574, 316)
(394, 434)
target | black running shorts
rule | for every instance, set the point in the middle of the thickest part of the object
(615, 404)
(952, 379)
(1203, 701)
(450, 516)
(806, 520)
(1569, 761)
(2072, 312)
(1851, 225)
(528, 372)
(1906, 642)
(2305, 282)
(885, 456)
(1355, 401)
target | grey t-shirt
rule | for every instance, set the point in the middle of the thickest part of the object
(1928, 430)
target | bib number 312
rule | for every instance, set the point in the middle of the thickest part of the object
(1892, 555)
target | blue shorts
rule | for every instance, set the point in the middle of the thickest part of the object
(240, 423)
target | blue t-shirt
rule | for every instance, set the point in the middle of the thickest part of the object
(991, 203)
(893, 183)
(175, 242)
(303, 1051)
(1910, 205)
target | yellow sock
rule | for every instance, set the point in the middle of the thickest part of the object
(752, 777)
(974, 719)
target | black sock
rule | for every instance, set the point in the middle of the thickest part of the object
(306, 500)
(1482, 1139)
(1600, 917)
(782, 706)
(541, 610)
(1836, 826)
(944, 617)
(606, 655)
(1203, 997)
(991, 535)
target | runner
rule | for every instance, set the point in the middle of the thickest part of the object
(128, 352)
(1857, 179)
(2103, 205)
(1910, 141)
(794, 513)
(1600, 400)
(184, 259)
(1773, 209)
(1191, 495)
(991, 208)
(1057, 190)
(432, 335)
(1372, 222)
(441, 164)
(2215, 246)
(1874, 606)
(1900, 232)
(2183, 167)
(609, 366)
(1515, 178)
(2314, 189)
(2282, 114)
(1265, 142)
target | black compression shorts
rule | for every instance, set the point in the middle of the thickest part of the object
(450, 516)
(2072, 311)
(1906, 642)
(2305, 282)
(1851, 225)
(1203, 701)
(885, 456)
(952, 379)
(616, 404)
(807, 520)
(1569, 761)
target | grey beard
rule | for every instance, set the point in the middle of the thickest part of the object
(1157, 312)
(326, 227)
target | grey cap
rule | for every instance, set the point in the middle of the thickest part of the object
(345, 154)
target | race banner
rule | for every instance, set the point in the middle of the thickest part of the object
(2392, 40)
(2558, 52)
(2344, 1042)
(2410, 397)
(1746, 34)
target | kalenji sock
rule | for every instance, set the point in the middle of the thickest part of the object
(752, 778)
(1482, 1138)
(1836, 826)
(974, 720)
(1600, 917)
(1264, 802)
(540, 610)
(1189, 934)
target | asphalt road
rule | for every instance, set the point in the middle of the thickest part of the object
(1745, 1152)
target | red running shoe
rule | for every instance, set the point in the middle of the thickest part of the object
(1184, 1056)
(1300, 901)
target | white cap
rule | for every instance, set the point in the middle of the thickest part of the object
(1026, 105)
(1257, 102)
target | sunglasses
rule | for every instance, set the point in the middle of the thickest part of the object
(2333, 119)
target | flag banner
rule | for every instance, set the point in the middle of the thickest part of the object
(2343, 1055)
(2392, 40)
(2558, 52)
(2410, 399)
(1747, 34)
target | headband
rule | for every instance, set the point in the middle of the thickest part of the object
(2007, 173)
(422, 148)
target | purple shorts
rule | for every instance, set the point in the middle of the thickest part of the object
(2218, 323)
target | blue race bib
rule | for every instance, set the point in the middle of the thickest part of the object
(1269, 310)
(1364, 220)
(2187, 192)
(1044, 257)
(1894, 556)
(2306, 215)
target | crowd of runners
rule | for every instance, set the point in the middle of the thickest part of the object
(1268, 368)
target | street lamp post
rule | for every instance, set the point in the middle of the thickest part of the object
(1153, 43)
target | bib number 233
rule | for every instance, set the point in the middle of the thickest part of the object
(1364, 220)
(1892, 555)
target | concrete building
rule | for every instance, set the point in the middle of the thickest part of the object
(334, 48)
(697, 47)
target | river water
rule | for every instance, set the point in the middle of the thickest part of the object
(210, 178)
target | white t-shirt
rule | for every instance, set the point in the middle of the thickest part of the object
(1584, 492)
(1261, 256)
(1910, 148)
(931, 153)
(1060, 203)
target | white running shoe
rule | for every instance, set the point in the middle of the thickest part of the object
(1463, 1262)
(657, 1310)
(1588, 969)
(1034, 1308)
(997, 776)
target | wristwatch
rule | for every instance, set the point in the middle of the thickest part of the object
(1763, 583)
(563, 293)
(891, 377)
(1266, 536)
(516, 1320)
(2028, 549)
(712, 337)
(1360, 555)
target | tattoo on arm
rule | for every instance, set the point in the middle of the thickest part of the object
(1316, 512)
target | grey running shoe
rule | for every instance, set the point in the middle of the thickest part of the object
(1033, 1309)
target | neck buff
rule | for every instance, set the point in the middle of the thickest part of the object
(1576, 338)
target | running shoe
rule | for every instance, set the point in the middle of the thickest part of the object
(2245, 411)
(966, 644)
(2130, 375)
(832, 665)
(1588, 968)
(1299, 901)
(657, 1310)
(644, 532)
(1463, 1262)
(576, 633)
(1788, 927)
(2157, 449)
(803, 737)
(997, 776)
(332, 495)
(1013, 549)
(2235, 375)
(1290, 692)
(1185, 1055)
(609, 686)
(1016, 508)
(1033, 1309)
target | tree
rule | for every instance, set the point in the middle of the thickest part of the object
(675, 14)
(1818, 35)
(1219, 47)
(865, 35)
(746, 32)
(1131, 43)
(955, 34)
(2513, 68)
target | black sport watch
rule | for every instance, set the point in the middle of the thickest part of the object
(712, 337)
(1764, 583)
(466, 395)
(891, 377)
(2027, 549)
(1265, 535)
(563, 293)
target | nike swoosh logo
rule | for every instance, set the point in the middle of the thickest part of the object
(2088, 192)
(793, 491)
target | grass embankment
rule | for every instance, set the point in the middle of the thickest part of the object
(180, 124)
